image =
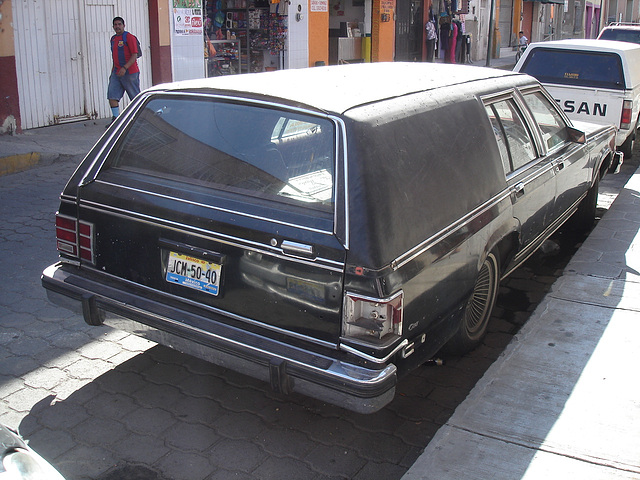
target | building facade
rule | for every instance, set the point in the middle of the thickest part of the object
(55, 58)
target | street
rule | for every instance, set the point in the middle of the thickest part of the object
(101, 404)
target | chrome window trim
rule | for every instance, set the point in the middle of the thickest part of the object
(101, 156)
(345, 163)
(498, 96)
(445, 232)
(533, 175)
(213, 207)
(266, 249)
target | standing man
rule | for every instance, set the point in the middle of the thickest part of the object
(125, 75)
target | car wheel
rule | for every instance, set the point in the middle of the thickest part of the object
(627, 147)
(582, 220)
(474, 321)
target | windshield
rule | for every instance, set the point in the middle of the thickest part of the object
(575, 68)
(262, 152)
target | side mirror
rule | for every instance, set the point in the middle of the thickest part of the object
(576, 136)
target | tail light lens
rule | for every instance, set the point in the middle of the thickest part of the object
(74, 238)
(373, 321)
(627, 114)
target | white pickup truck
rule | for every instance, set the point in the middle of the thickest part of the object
(597, 81)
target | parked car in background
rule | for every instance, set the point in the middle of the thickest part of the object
(19, 462)
(621, 32)
(326, 230)
(593, 80)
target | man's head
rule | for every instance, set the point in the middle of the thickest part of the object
(520, 33)
(118, 25)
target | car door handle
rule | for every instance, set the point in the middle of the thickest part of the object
(518, 189)
(297, 249)
(559, 166)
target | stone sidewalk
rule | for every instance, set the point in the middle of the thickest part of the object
(563, 401)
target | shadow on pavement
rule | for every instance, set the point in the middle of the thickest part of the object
(167, 414)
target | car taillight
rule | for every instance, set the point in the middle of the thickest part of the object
(373, 321)
(74, 238)
(627, 114)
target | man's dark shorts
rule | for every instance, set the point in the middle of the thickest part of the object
(129, 82)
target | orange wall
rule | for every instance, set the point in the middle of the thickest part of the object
(318, 37)
(383, 32)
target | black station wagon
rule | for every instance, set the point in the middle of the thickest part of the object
(328, 229)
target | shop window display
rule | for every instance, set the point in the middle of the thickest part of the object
(243, 36)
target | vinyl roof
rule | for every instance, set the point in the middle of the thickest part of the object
(339, 88)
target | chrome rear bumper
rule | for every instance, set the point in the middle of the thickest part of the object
(285, 367)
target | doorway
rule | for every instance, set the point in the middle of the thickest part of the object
(409, 31)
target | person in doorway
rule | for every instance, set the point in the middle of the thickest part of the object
(125, 75)
(431, 34)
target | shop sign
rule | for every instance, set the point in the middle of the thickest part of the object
(187, 21)
(319, 5)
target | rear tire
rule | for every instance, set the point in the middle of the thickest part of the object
(584, 217)
(627, 147)
(477, 312)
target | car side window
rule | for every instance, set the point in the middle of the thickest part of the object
(500, 137)
(514, 134)
(552, 125)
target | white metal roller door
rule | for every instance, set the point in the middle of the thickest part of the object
(63, 58)
(48, 68)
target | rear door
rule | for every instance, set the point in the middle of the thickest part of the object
(225, 205)
(530, 176)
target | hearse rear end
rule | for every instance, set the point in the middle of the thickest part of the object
(317, 229)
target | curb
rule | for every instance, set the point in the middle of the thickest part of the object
(26, 161)
(18, 163)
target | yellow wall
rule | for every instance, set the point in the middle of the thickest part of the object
(383, 31)
(318, 37)
(6, 30)
(164, 24)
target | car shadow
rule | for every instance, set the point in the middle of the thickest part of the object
(169, 416)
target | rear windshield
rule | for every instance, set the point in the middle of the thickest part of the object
(570, 67)
(631, 36)
(262, 152)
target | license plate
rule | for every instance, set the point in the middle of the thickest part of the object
(307, 290)
(194, 273)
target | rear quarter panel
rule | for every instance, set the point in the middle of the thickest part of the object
(426, 199)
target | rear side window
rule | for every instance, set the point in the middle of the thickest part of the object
(631, 36)
(512, 134)
(575, 68)
(246, 149)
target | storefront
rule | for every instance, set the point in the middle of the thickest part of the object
(453, 38)
(243, 36)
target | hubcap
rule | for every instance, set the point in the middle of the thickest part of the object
(481, 302)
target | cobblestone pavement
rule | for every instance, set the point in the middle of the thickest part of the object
(101, 404)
